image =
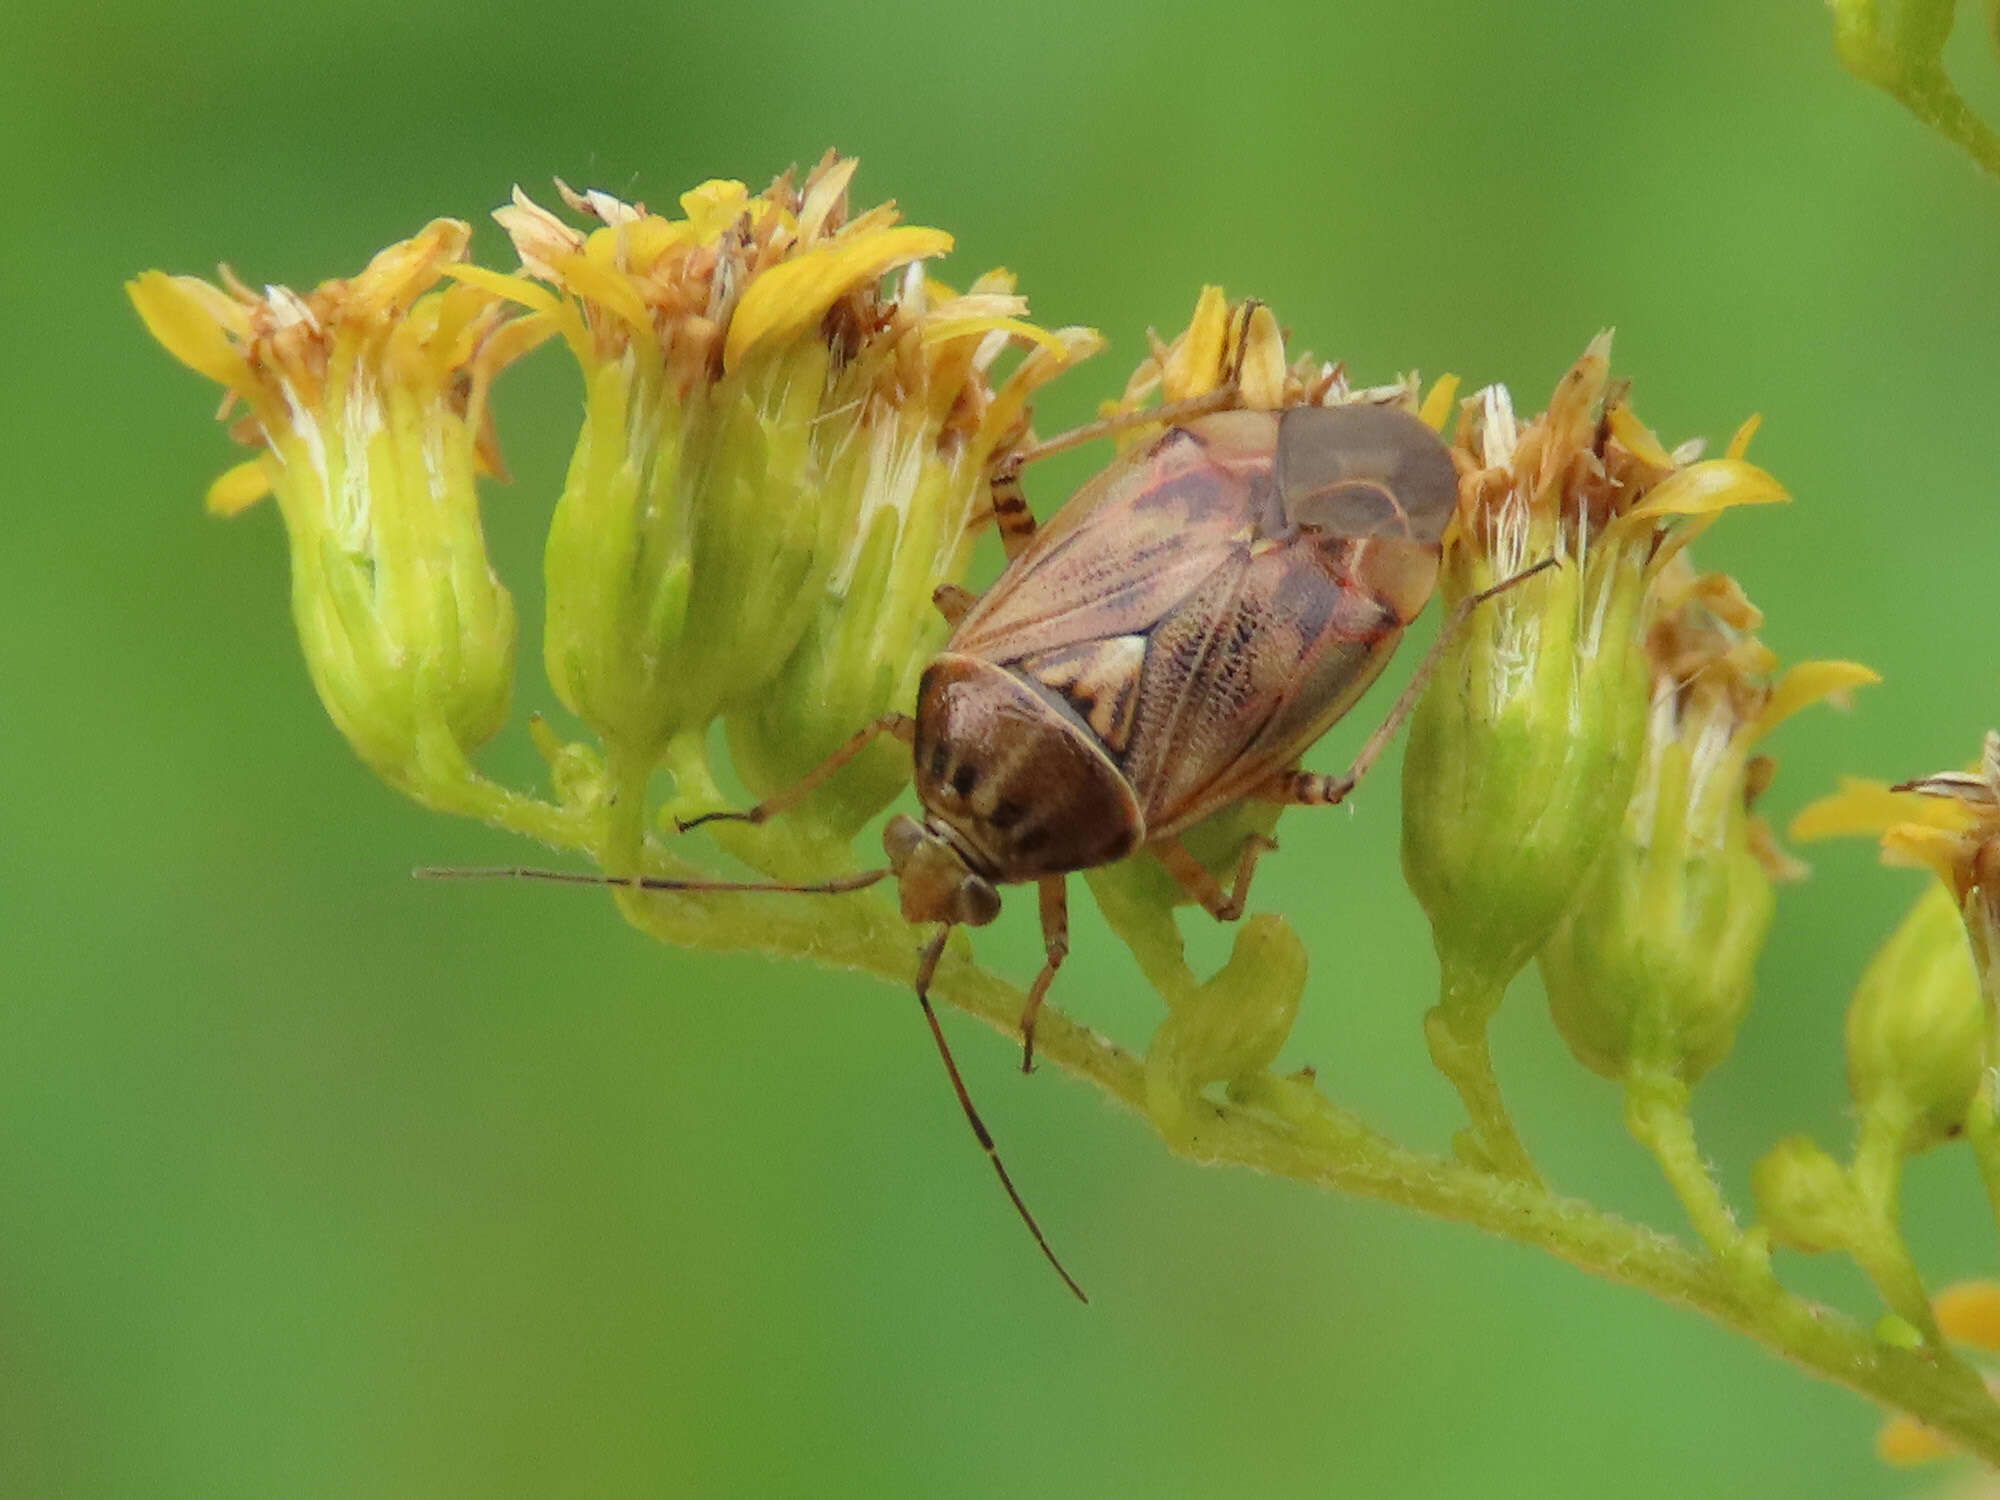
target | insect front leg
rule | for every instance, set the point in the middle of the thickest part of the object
(902, 726)
(1054, 893)
(1193, 876)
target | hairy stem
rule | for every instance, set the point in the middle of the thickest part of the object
(1286, 1127)
(1656, 1112)
(1456, 1030)
(1881, 1251)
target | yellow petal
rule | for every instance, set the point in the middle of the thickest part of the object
(1970, 1313)
(1704, 488)
(1916, 846)
(1808, 683)
(939, 330)
(552, 313)
(515, 338)
(239, 488)
(513, 288)
(713, 207)
(1859, 807)
(1195, 366)
(609, 289)
(1740, 444)
(1436, 410)
(1042, 365)
(1638, 438)
(187, 327)
(397, 275)
(646, 240)
(1904, 1442)
(825, 192)
(1263, 361)
(796, 293)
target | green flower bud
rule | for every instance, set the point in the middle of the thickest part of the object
(1806, 1198)
(906, 478)
(780, 460)
(1917, 1028)
(1656, 962)
(1652, 969)
(1523, 750)
(368, 396)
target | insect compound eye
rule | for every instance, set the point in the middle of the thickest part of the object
(1365, 471)
(977, 902)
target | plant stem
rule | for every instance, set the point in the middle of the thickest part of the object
(1982, 1133)
(1881, 1252)
(1285, 1127)
(1656, 1112)
(1456, 1030)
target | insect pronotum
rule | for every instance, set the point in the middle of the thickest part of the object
(1170, 643)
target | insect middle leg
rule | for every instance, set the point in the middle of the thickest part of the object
(1193, 876)
(902, 726)
(1054, 894)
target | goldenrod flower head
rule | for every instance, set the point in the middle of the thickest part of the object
(1948, 823)
(781, 458)
(1523, 752)
(1653, 965)
(368, 399)
(1242, 343)
(1917, 1028)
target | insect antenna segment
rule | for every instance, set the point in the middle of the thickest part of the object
(926, 971)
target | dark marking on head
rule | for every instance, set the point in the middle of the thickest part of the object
(1006, 813)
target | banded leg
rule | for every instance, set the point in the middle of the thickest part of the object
(902, 726)
(1193, 876)
(1054, 893)
(1010, 502)
(1010, 507)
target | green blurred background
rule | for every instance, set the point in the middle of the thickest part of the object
(317, 1182)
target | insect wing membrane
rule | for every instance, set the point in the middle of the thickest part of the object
(1133, 544)
(1243, 678)
(1365, 471)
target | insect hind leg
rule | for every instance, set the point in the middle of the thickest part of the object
(1309, 789)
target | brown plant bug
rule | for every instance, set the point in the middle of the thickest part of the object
(1169, 644)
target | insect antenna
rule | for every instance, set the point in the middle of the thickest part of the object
(926, 970)
(838, 885)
